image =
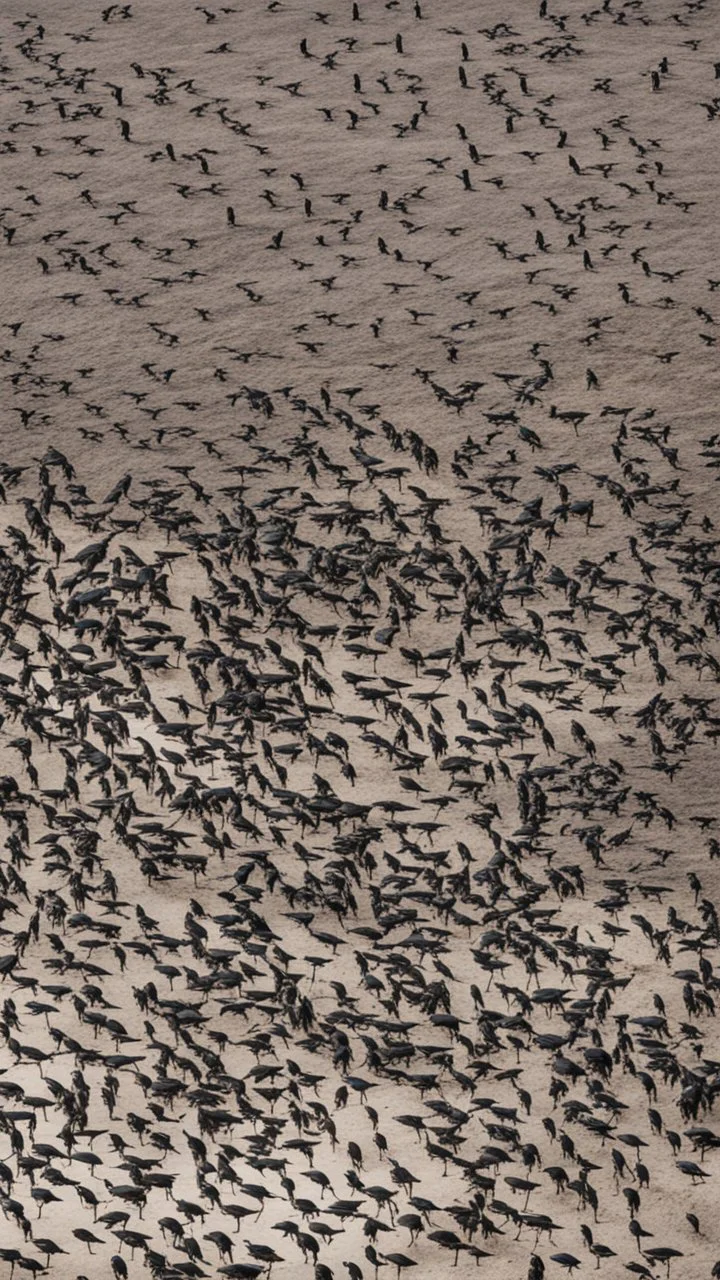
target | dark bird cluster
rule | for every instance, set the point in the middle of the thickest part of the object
(358, 896)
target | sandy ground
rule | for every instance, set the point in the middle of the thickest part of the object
(358, 639)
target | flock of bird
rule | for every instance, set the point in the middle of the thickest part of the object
(358, 653)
